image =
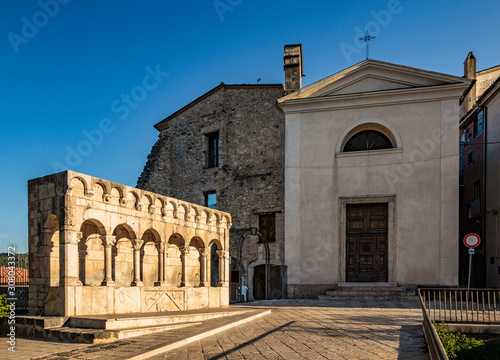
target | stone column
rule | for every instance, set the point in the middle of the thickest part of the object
(108, 241)
(137, 244)
(203, 266)
(184, 255)
(223, 267)
(165, 258)
(161, 269)
(69, 257)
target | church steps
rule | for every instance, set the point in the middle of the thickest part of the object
(100, 329)
(156, 319)
(363, 291)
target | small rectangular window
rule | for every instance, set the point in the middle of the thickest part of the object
(267, 226)
(477, 190)
(461, 162)
(480, 122)
(211, 199)
(213, 150)
(470, 157)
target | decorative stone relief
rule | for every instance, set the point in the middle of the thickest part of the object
(139, 206)
(156, 301)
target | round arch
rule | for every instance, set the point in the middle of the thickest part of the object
(151, 235)
(381, 126)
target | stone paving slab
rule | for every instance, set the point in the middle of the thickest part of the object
(296, 329)
(29, 348)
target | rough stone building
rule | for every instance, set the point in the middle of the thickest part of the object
(98, 247)
(226, 150)
(479, 173)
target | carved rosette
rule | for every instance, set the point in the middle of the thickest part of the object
(89, 194)
(123, 202)
(106, 198)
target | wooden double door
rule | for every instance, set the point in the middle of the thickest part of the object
(367, 229)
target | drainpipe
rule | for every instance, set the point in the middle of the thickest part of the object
(485, 139)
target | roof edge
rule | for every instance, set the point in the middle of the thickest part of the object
(162, 124)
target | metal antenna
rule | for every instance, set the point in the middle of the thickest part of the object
(367, 39)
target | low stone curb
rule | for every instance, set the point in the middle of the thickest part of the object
(177, 344)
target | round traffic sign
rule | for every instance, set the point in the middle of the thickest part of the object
(472, 240)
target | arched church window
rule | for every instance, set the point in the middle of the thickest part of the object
(368, 140)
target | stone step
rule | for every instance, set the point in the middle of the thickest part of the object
(44, 322)
(369, 292)
(99, 336)
(124, 321)
(369, 297)
(367, 284)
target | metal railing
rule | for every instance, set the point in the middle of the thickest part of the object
(477, 306)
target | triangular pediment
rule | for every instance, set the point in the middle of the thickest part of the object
(372, 76)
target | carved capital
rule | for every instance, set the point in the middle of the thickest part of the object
(137, 243)
(176, 214)
(106, 198)
(204, 252)
(223, 254)
(160, 246)
(108, 240)
(72, 237)
(69, 191)
(184, 251)
(123, 202)
(152, 209)
(164, 212)
(139, 206)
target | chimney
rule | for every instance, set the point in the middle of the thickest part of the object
(470, 73)
(470, 66)
(293, 67)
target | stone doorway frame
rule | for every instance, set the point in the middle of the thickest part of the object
(390, 200)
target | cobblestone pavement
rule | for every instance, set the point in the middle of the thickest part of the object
(367, 330)
(296, 329)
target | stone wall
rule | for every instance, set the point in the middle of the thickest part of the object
(249, 178)
(97, 247)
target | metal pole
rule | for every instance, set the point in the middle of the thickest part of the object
(470, 269)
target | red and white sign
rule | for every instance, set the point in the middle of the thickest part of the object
(472, 240)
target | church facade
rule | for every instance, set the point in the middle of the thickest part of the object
(371, 178)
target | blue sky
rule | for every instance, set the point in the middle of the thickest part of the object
(71, 67)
